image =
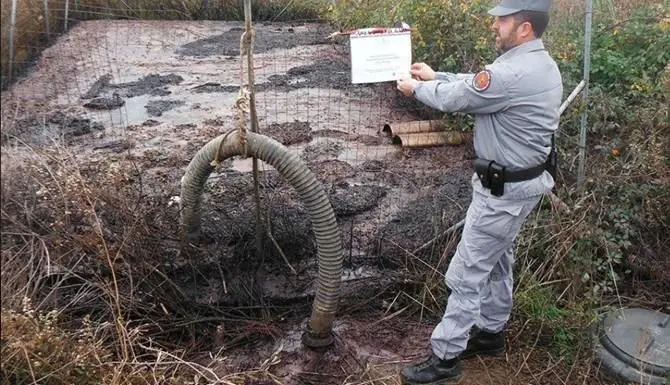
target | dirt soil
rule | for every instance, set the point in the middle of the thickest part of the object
(178, 82)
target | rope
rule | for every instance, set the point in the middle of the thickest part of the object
(242, 103)
(242, 106)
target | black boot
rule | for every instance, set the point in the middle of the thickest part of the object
(483, 343)
(432, 371)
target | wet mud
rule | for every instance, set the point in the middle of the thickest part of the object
(289, 133)
(322, 150)
(332, 170)
(97, 87)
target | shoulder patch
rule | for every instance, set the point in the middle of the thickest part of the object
(482, 80)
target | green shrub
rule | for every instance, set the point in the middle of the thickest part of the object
(36, 350)
(628, 63)
(450, 35)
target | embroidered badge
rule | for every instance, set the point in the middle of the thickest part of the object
(482, 80)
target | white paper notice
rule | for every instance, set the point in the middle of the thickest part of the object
(380, 57)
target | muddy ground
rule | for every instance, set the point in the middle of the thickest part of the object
(145, 96)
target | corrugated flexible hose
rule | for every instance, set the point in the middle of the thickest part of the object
(312, 195)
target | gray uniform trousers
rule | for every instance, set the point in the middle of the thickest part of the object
(480, 273)
(516, 112)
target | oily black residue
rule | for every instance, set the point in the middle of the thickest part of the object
(43, 129)
(214, 87)
(228, 43)
(334, 73)
(105, 102)
(157, 107)
(327, 74)
(437, 208)
(350, 200)
(153, 84)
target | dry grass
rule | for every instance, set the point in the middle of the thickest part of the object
(78, 252)
(37, 350)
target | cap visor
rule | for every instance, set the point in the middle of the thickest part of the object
(503, 11)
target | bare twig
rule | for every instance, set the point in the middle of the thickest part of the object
(446, 232)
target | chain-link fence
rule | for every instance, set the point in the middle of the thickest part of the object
(147, 94)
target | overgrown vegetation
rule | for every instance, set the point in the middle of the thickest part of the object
(84, 299)
(84, 240)
(603, 239)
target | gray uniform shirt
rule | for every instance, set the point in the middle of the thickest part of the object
(515, 116)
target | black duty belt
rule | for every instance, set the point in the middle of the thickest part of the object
(494, 176)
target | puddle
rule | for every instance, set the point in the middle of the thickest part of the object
(133, 112)
(196, 108)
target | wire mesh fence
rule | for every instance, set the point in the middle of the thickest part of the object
(153, 92)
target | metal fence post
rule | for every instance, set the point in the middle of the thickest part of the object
(585, 95)
(12, 27)
(46, 18)
(67, 12)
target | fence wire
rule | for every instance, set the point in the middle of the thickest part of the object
(155, 91)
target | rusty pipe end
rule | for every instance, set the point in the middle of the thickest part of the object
(319, 330)
(313, 339)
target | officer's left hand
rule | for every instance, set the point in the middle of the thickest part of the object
(407, 86)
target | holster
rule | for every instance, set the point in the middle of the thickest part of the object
(552, 163)
(492, 175)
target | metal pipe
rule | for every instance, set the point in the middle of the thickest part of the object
(430, 139)
(572, 97)
(67, 13)
(585, 95)
(12, 27)
(247, 14)
(311, 193)
(415, 126)
(46, 19)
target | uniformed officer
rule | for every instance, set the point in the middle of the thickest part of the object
(515, 101)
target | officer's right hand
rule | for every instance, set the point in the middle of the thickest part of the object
(422, 71)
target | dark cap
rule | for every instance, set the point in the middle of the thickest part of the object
(509, 7)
